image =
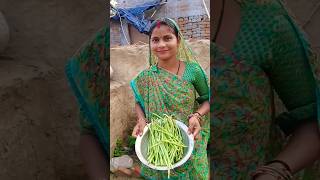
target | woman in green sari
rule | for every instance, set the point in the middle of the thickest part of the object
(262, 51)
(87, 74)
(174, 84)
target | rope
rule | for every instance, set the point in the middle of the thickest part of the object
(205, 6)
(123, 30)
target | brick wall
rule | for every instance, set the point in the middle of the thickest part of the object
(195, 27)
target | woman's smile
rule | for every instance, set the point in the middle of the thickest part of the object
(162, 51)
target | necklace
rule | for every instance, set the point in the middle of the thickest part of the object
(178, 68)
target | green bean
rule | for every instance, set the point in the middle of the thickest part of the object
(165, 146)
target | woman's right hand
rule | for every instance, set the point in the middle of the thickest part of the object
(138, 129)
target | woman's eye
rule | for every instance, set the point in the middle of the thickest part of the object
(167, 38)
(155, 40)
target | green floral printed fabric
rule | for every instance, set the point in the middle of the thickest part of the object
(270, 53)
(159, 91)
(87, 74)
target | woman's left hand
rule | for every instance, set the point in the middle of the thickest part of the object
(194, 127)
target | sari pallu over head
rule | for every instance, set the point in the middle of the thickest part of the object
(87, 74)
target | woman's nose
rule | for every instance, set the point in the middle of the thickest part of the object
(161, 43)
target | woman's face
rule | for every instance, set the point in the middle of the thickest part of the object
(164, 44)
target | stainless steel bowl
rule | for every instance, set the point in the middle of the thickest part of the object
(141, 146)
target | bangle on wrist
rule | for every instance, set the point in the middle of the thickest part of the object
(195, 115)
(198, 113)
(280, 173)
(284, 164)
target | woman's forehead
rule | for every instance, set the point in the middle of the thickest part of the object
(162, 31)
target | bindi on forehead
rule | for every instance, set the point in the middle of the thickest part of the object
(162, 30)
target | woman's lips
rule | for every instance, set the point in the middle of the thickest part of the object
(162, 51)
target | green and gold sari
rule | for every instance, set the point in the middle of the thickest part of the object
(159, 91)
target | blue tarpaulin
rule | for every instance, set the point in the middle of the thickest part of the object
(135, 15)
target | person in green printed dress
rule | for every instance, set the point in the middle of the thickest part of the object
(257, 50)
(87, 75)
(174, 84)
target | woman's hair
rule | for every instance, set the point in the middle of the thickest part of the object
(164, 21)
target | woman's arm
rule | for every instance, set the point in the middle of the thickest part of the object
(141, 121)
(194, 124)
(93, 157)
(139, 112)
(290, 73)
(301, 151)
(201, 85)
(303, 148)
(204, 108)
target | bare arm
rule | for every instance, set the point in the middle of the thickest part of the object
(194, 124)
(139, 112)
(303, 148)
(204, 108)
(141, 121)
(301, 151)
(92, 155)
